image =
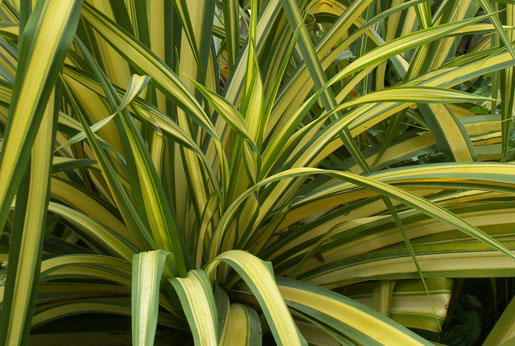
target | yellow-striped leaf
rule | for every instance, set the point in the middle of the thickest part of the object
(26, 245)
(45, 41)
(258, 275)
(147, 269)
(198, 303)
(242, 327)
(355, 320)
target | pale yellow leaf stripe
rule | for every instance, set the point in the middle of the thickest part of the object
(256, 273)
(108, 262)
(236, 331)
(116, 67)
(74, 308)
(33, 226)
(151, 65)
(137, 84)
(352, 316)
(94, 229)
(146, 276)
(404, 196)
(469, 263)
(199, 308)
(84, 273)
(78, 199)
(451, 131)
(37, 71)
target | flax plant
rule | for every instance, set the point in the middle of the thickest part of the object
(232, 172)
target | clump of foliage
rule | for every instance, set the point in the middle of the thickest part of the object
(238, 172)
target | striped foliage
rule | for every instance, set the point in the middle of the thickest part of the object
(232, 172)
